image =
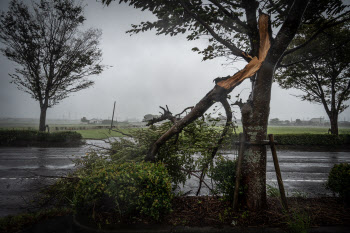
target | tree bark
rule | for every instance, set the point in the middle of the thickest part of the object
(255, 112)
(255, 115)
(334, 123)
(42, 123)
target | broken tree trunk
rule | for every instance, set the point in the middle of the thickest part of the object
(221, 89)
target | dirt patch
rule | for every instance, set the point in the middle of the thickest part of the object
(211, 211)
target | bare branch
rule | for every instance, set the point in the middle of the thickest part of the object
(239, 103)
(166, 115)
(178, 115)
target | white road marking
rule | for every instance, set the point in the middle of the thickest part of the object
(290, 180)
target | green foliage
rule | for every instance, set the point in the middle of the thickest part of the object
(18, 222)
(272, 191)
(339, 181)
(298, 222)
(125, 189)
(198, 138)
(323, 77)
(224, 176)
(222, 23)
(33, 137)
(102, 133)
(299, 194)
(312, 139)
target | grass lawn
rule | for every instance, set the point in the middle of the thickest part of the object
(303, 129)
(102, 133)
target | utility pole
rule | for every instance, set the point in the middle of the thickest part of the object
(113, 114)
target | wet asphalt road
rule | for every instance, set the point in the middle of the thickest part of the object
(20, 170)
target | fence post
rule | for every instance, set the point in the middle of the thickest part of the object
(238, 171)
(278, 172)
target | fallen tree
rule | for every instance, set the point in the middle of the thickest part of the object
(224, 23)
(220, 91)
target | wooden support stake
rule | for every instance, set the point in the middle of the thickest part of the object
(238, 171)
(278, 172)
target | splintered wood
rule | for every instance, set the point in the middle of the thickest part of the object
(254, 65)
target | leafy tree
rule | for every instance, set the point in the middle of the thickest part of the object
(324, 77)
(234, 31)
(54, 56)
(275, 121)
(84, 119)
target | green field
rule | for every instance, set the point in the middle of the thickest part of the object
(303, 129)
(104, 133)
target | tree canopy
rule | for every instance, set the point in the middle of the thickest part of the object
(321, 70)
(54, 57)
(230, 26)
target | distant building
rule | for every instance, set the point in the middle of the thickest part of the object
(95, 121)
(107, 122)
(317, 121)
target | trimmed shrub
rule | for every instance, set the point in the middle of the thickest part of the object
(224, 176)
(339, 181)
(312, 139)
(33, 137)
(128, 189)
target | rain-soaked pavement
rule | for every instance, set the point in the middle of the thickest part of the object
(24, 170)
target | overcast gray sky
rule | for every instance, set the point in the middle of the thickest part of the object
(147, 71)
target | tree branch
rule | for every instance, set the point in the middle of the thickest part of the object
(228, 124)
(166, 115)
(234, 18)
(235, 51)
(288, 29)
(178, 115)
(319, 31)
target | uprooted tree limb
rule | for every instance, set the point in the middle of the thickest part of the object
(220, 90)
(167, 115)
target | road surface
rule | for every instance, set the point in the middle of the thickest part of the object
(21, 168)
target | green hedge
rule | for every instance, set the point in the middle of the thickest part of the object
(339, 181)
(124, 190)
(312, 139)
(308, 139)
(34, 138)
(224, 176)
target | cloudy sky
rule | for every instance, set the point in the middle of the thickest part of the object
(147, 71)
